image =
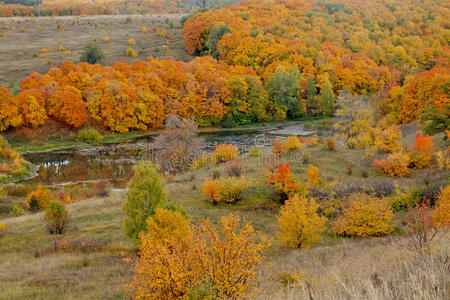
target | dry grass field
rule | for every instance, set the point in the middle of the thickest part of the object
(93, 258)
(36, 44)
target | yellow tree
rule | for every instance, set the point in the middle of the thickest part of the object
(226, 260)
(9, 111)
(300, 225)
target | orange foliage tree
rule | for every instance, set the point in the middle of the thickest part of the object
(9, 110)
(283, 181)
(225, 261)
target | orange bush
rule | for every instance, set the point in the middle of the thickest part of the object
(441, 213)
(364, 216)
(421, 158)
(423, 143)
(395, 165)
(277, 147)
(211, 190)
(283, 181)
(225, 152)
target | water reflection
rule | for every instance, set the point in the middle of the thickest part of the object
(115, 162)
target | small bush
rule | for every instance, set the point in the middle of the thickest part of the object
(419, 160)
(38, 199)
(299, 222)
(306, 157)
(284, 182)
(311, 141)
(292, 143)
(225, 152)
(17, 210)
(313, 176)
(395, 165)
(231, 188)
(422, 156)
(401, 200)
(422, 229)
(331, 144)
(216, 173)
(56, 217)
(387, 140)
(227, 189)
(89, 135)
(277, 147)
(92, 53)
(254, 151)
(364, 216)
(145, 193)
(130, 52)
(131, 42)
(211, 190)
(234, 168)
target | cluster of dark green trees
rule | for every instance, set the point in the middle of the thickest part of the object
(283, 96)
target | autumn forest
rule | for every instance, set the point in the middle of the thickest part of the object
(223, 149)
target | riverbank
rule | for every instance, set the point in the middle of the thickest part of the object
(69, 141)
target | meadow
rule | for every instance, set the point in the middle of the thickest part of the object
(94, 258)
(37, 44)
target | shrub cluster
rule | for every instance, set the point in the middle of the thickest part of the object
(197, 262)
(38, 199)
(225, 152)
(227, 189)
(292, 143)
(89, 135)
(395, 165)
(364, 216)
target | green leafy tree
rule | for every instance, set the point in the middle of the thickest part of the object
(145, 193)
(56, 217)
(312, 99)
(92, 53)
(435, 121)
(284, 89)
(327, 98)
(216, 33)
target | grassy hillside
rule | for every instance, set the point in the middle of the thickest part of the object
(93, 259)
